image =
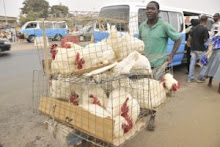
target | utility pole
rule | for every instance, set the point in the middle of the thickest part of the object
(6, 19)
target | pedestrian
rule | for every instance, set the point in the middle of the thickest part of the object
(194, 22)
(216, 25)
(213, 68)
(197, 40)
(155, 33)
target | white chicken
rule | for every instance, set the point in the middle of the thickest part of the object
(121, 103)
(93, 94)
(123, 45)
(75, 58)
(60, 89)
(142, 66)
(133, 63)
(116, 99)
(124, 110)
(96, 110)
(119, 123)
(169, 83)
(149, 93)
(126, 64)
(64, 59)
(130, 44)
(97, 54)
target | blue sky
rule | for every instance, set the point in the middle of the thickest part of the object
(210, 6)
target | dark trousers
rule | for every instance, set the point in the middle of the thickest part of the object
(188, 56)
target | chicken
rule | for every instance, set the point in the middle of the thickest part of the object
(96, 110)
(169, 83)
(116, 99)
(130, 44)
(64, 59)
(66, 89)
(130, 110)
(119, 123)
(75, 58)
(149, 93)
(142, 66)
(121, 103)
(126, 64)
(60, 89)
(123, 45)
(133, 63)
(94, 94)
(96, 54)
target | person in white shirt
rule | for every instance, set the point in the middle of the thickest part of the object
(216, 25)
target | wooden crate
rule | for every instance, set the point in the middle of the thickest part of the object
(101, 128)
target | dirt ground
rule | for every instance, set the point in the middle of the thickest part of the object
(191, 118)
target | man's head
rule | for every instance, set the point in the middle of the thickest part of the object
(203, 19)
(153, 10)
(216, 17)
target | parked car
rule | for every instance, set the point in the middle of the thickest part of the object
(5, 45)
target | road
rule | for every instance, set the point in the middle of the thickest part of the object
(191, 118)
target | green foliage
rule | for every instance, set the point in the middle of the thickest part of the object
(33, 10)
(59, 10)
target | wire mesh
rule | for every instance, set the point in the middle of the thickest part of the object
(105, 87)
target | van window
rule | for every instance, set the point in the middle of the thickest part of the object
(176, 20)
(31, 25)
(164, 16)
(59, 25)
(49, 25)
(142, 16)
(116, 15)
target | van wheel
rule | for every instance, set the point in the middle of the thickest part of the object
(31, 38)
(58, 37)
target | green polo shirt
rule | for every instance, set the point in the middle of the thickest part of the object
(156, 39)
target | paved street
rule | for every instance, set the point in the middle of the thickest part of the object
(190, 119)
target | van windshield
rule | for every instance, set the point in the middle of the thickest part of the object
(115, 15)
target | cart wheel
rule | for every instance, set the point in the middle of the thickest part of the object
(151, 122)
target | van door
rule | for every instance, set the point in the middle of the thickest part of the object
(31, 29)
(176, 20)
(60, 30)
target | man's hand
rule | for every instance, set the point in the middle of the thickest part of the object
(170, 58)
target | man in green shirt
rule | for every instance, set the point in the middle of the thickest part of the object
(155, 33)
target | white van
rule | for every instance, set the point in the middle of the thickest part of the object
(54, 29)
(127, 16)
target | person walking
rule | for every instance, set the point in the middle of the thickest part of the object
(216, 25)
(194, 23)
(213, 68)
(155, 33)
(197, 40)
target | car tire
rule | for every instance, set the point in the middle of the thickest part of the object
(58, 37)
(31, 38)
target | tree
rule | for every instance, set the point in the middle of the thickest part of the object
(34, 9)
(59, 10)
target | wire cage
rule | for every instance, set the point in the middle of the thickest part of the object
(105, 87)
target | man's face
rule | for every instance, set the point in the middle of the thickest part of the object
(152, 11)
(216, 17)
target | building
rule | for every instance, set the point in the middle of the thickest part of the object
(12, 21)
